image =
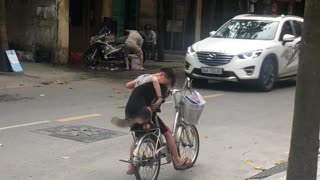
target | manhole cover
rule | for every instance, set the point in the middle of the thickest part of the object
(81, 133)
(269, 172)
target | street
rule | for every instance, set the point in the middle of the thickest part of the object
(241, 131)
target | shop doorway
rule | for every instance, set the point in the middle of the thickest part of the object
(85, 21)
(180, 24)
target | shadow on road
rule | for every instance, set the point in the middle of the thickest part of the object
(243, 88)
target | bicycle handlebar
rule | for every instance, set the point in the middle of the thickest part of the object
(186, 84)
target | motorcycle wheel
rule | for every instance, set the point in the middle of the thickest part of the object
(91, 57)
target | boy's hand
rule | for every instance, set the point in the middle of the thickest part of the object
(146, 126)
(156, 105)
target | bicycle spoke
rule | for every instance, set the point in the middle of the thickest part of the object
(148, 161)
(188, 143)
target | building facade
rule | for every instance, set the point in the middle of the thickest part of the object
(51, 29)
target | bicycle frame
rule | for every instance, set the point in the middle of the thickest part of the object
(178, 106)
(178, 122)
(160, 145)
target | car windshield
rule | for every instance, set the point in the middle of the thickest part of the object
(248, 29)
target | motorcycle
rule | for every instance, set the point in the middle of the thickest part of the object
(101, 50)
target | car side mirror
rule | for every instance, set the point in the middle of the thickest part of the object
(212, 33)
(288, 38)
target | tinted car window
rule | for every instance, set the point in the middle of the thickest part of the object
(298, 26)
(286, 29)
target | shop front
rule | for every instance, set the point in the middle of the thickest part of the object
(277, 7)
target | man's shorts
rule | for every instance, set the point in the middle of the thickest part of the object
(132, 48)
(139, 127)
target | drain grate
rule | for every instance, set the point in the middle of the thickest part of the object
(81, 133)
(272, 171)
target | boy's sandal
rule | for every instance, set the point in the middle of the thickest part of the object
(185, 165)
(130, 171)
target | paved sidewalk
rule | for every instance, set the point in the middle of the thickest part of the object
(283, 175)
(36, 74)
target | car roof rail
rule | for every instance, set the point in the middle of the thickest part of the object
(242, 15)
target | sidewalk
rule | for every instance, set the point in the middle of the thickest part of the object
(36, 74)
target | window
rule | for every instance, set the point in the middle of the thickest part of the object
(298, 26)
(286, 29)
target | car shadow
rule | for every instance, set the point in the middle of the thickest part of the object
(242, 87)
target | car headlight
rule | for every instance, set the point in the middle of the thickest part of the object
(250, 54)
(191, 50)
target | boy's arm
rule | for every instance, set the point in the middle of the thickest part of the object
(156, 85)
(131, 84)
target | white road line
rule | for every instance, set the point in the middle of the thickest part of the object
(76, 118)
(58, 120)
(23, 125)
(85, 116)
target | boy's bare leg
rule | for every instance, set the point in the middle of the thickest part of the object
(178, 161)
(130, 167)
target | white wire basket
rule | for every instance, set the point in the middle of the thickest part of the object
(191, 112)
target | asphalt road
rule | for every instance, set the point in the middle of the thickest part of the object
(240, 130)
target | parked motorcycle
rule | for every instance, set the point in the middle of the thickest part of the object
(101, 50)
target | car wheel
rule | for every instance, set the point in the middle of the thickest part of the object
(268, 75)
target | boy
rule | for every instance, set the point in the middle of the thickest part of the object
(162, 77)
(146, 100)
(150, 42)
(136, 108)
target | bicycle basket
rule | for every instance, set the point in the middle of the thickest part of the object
(191, 112)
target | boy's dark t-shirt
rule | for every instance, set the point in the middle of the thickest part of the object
(142, 96)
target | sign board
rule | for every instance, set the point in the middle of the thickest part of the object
(14, 61)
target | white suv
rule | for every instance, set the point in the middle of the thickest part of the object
(258, 48)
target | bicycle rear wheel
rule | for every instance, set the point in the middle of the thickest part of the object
(189, 143)
(148, 163)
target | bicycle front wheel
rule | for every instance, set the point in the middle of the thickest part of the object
(148, 163)
(189, 143)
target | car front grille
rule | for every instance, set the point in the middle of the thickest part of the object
(213, 58)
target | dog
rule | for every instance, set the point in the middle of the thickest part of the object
(138, 109)
(144, 117)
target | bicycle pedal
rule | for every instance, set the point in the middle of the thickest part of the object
(165, 163)
(126, 161)
(162, 155)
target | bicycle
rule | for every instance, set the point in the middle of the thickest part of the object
(151, 148)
